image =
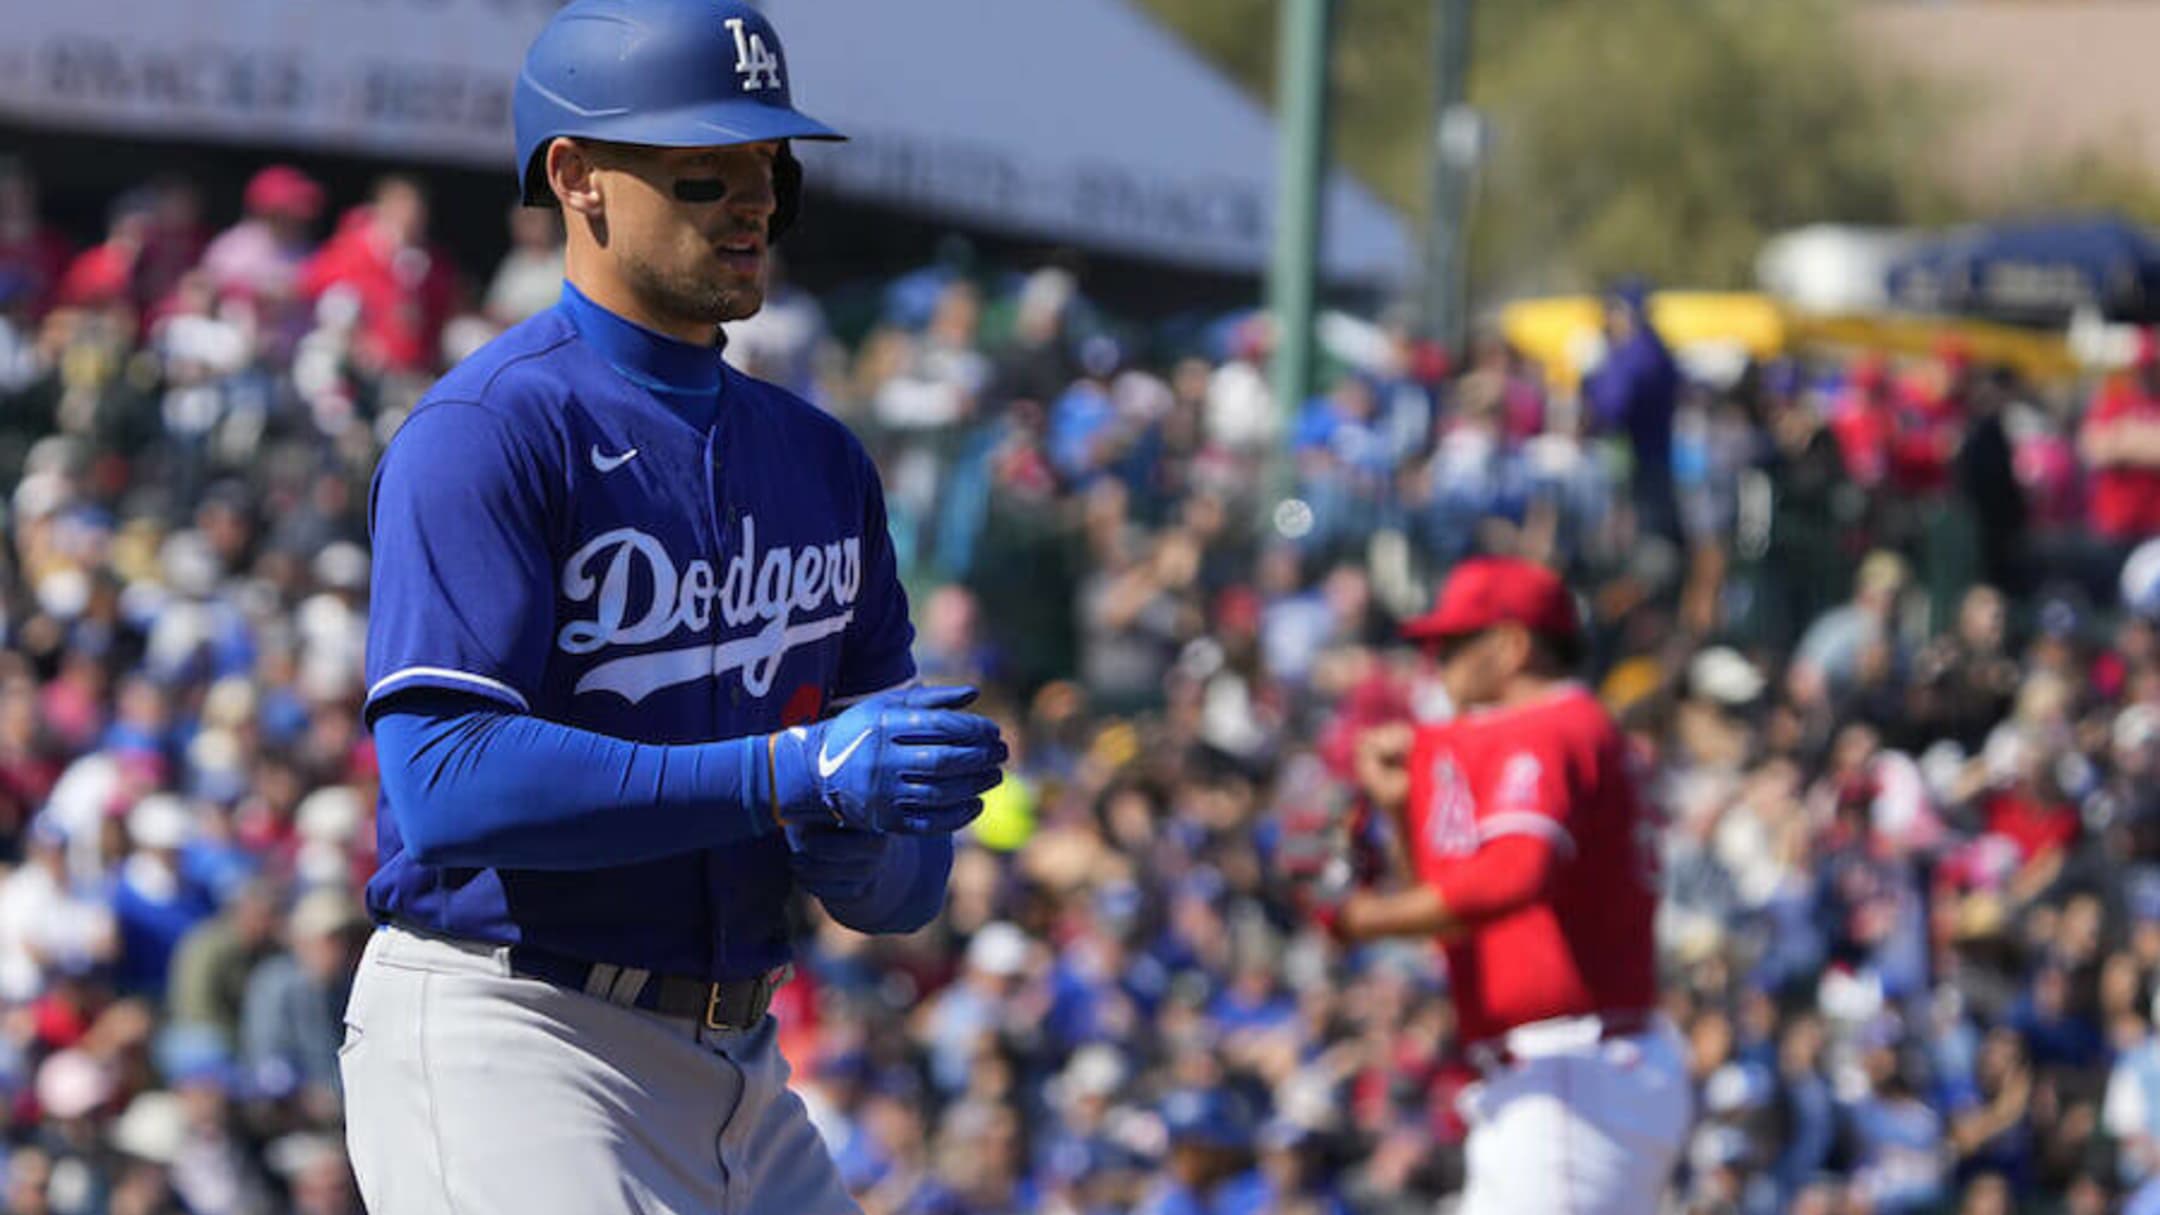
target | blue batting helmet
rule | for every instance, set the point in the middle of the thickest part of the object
(664, 73)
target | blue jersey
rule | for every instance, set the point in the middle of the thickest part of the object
(616, 531)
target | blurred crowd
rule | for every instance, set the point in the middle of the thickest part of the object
(1882, 630)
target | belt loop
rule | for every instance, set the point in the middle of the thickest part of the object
(628, 986)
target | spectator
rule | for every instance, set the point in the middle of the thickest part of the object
(529, 278)
(214, 961)
(292, 1019)
(785, 341)
(1037, 365)
(1636, 392)
(402, 287)
(49, 922)
(1864, 419)
(2120, 441)
(260, 258)
(110, 274)
(2132, 1112)
(1286, 1179)
(1990, 1127)
(1828, 662)
(972, 1013)
(213, 1168)
(936, 382)
(261, 254)
(155, 905)
(1209, 1141)
(1240, 406)
(1964, 681)
(32, 253)
(1988, 484)
(1807, 1112)
(174, 243)
(1136, 613)
(1900, 1141)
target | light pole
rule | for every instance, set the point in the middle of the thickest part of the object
(1301, 121)
(1457, 144)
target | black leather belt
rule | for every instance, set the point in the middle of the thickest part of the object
(730, 1004)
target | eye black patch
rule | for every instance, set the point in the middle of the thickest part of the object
(700, 189)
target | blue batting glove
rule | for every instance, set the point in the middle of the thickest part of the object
(835, 863)
(908, 762)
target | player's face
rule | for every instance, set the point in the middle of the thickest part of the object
(1475, 670)
(687, 227)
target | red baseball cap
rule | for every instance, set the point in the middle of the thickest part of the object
(284, 190)
(1485, 592)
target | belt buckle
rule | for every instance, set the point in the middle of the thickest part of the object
(761, 993)
(712, 1010)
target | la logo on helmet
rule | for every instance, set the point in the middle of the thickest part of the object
(757, 65)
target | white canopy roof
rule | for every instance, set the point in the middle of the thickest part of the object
(1082, 120)
(1073, 120)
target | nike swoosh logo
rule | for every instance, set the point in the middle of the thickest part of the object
(829, 764)
(608, 464)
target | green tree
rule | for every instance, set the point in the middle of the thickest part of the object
(2086, 179)
(1670, 137)
(1663, 137)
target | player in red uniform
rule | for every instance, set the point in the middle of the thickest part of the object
(1535, 861)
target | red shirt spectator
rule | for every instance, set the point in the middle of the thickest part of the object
(109, 273)
(2036, 826)
(406, 289)
(2120, 441)
(1929, 413)
(1925, 439)
(1899, 434)
(1864, 422)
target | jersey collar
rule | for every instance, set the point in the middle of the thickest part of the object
(651, 360)
(1560, 690)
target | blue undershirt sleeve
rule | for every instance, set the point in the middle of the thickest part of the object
(909, 891)
(470, 784)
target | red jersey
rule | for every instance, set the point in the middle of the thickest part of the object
(406, 296)
(1556, 769)
(1864, 429)
(2036, 826)
(2125, 499)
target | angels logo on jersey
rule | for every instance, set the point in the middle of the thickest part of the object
(1519, 780)
(1451, 818)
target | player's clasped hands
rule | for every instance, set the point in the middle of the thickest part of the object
(908, 762)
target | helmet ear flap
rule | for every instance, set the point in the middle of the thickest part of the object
(787, 192)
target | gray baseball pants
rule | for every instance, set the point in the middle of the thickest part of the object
(470, 1091)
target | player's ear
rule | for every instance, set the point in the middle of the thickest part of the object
(573, 174)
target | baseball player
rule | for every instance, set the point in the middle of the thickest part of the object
(638, 666)
(1535, 864)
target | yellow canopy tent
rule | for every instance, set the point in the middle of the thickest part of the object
(1563, 333)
